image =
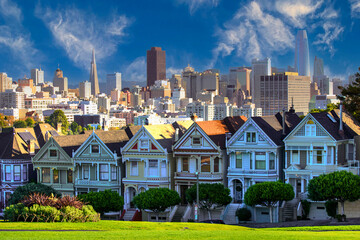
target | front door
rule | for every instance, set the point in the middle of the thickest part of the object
(183, 189)
(238, 190)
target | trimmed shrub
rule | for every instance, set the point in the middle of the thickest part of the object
(305, 209)
(104, 201)
(243, 214)
(331, 208)
(21, 192)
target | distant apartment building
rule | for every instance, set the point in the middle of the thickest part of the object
(155, 65)
(38, 103)
(5, 82)
(201, 109)
(240, 78)
(337, 82)
(60, 81)
(113, 81)
(85, 120)
(160, 89)
(12, 99)
(89, 107)
(37, 75)
(10, 112)
(85, 90)
(280, 91)
(103, 103)
(26, 85)
(175, 81)
(259, 68)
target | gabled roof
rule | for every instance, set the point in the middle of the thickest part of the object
(272, 125)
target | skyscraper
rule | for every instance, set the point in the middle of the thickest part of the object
(85, 89)
(318, 67)
(259, 68)
(156, 65)
(319, 77)
(60, 81)
(37, 75)
(113, 81)
(302, 59)
(93, 76)
(5, 82)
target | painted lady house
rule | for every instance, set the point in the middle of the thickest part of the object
(256, 154)
(322, 143)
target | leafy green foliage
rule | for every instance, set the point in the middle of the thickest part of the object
(243, 214)
(44, 200)
(20, 124)
(104, 201)
(38, 213)
(331, 208)
(157, 199)
(305, 209)
(329, 108)
(75, 128)
(56, 117)
(30, 122)
(211, 196)
(338, 186)
(351, 96)
(21, 192)
(268, 194)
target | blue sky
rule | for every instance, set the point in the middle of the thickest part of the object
(203, 33)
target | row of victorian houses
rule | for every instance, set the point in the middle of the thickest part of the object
(236, 151)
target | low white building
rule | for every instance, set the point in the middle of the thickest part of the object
(88, 107)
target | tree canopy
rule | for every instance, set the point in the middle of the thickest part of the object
(351, 97)
(56, 117)
(329, 108)
(157, 199)
(30, 122)
(20, 124)
(268, 194)
(211, 196)
(104, 201)
(338, 186)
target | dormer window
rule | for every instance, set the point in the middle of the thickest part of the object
(95, 149)
(310, 129)
(196, 140)
(53, 152)
(251, 137)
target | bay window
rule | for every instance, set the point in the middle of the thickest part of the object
(7, 173)
(17, 173)
(216, 164)
(163, 169)
(239, 157)
(86, 171)
(134, 168)
(69, 176)
(271, 161)
(153, 168)
(25, 172)
(45, 172)
(56, 176)
(205, 164)
(113, 173)
(260, 161)
(185, 164)
(104, 172)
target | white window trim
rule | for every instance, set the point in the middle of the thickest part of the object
(137, 168)
(251, 132)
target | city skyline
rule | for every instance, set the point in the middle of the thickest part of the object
(45, 34)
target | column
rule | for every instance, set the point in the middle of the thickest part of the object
(51, 175)
(286, 157)
(110, 172)
(159, 167)
(267, 159)
(21, 172)
(40, 175)
(98, 172)
(302, 185)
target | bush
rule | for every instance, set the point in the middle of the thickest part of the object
(21, 192)
(340, 218)
(43, 200)
(305, 209)
(331, 208)
(243, 214)
(21, 213)
(105, 201)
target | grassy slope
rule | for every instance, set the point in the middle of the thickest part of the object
(159, 231)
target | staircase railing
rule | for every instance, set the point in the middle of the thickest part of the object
(187, 213)
(222, 216)
(172, 213)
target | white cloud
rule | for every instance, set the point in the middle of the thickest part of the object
(253, 33)
(196, 4)
(325, 40)
(9, 9)
(78, 33)
(136, 71)
(171, 70)
(355, 8)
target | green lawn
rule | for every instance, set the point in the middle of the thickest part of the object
(159, 231)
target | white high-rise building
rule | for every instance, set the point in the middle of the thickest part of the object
(37, 76)
(259, 68)
(113, 81)
(302, 58)
(85, 89)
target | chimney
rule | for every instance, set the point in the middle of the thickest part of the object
(176, 134)
(194, 117)
(58, 127)
(31, 147)
(341, 127)
(283, 122)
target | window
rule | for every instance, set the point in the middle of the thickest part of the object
(53, 153)
(56, 176)
(295, 157)
(205, 164)
(25, 172)
(113, 172)
(251, 137)
(196, 140)
(271, 161)
(134, 169)
(310, 128)
(7, 173)
(153, 168)
(185, 164)
(216, 164)
(260, 161)
(163, 169)
(318, 155)
(144, 143)
(238, 163)
(69, 176)
(104, 172)
(95, 149)
(86, 169)
(17, 173)
(45, 172)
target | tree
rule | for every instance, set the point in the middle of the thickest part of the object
(351, 97)
(268, 194)
(20, 124)
(157, 199)
(104, 201)
(56, 117)
(21, 192)
(74, 126)
(338, 186)
(329, 108)
(2, 120)
(29, 122)
(211, 196)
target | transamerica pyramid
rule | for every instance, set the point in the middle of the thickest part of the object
(94, 77)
